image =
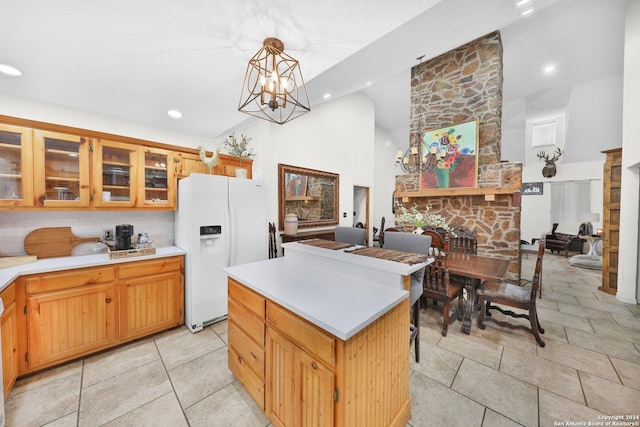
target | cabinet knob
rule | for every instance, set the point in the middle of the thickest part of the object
(314, 365)
(253, 355)
(108, 300)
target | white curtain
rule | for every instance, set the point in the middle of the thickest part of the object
(570, 201)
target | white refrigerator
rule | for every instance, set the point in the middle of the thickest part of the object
(220, 222)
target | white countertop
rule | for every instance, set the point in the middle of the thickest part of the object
(340, 303)
(8, 275)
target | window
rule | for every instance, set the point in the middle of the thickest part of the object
(570, 200)
(544, 133)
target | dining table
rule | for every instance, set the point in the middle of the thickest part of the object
(475, 269)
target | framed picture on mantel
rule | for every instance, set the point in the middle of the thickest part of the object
(450, 157)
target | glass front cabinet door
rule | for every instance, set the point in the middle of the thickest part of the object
(115, 174)
(157, 188)
(61, 170)
(16, 166)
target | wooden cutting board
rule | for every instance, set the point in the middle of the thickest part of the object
(53, 242)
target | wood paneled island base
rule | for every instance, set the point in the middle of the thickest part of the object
(301, 375)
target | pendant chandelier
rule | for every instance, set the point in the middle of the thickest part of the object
(273, 87)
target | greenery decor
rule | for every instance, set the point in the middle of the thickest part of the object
(239, 147)
(420, 219)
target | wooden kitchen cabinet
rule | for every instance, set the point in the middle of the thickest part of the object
(61, 170)
(188, 163)
(228, 164)
(312, 377)
(151, 297)
(16, 169)
(70, 314)
(157, 183)
(9, 328)
(115, 174)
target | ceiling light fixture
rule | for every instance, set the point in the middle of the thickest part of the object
(273, 87)
(174, 114)
(9, 70)
(522, 3)
(527, 12)
(548, 69)
(326, 96)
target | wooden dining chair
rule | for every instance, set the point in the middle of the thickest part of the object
(438, 286)
(353, 235)
(437, 239)
(512, 295)
(417, 244)
(273, 247)
(462, 240)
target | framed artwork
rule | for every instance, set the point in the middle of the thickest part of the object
(450, 157)
(296, 186)
(532, 188)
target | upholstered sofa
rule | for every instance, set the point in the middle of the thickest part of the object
(564, 238)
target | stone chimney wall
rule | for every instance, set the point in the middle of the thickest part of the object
(461, 85)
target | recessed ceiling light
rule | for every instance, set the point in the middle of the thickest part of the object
(174, 114)
(527, 12)
(326, 96)
(369, 83)
(548, 69)
(9, 70)
(522, 3)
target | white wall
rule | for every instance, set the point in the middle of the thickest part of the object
(628, 282)
(384, 183)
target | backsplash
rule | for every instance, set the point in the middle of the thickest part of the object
(14, 226)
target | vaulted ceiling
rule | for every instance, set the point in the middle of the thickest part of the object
(135, 60)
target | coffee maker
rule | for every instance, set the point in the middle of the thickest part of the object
(123, 236)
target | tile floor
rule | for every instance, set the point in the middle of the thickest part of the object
(496, 377)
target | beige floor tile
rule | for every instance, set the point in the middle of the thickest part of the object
(70, 420)
(116, 396)
(187, 347)
(165, 408)
(473, 347)
(628, 321)
(118, 361)
(629, 372)
(45, 377)
(509, 396)
(548, 304)
(514, 338)
(587, 312)
(191, 385)
(612, 307)
(171, 334)
(557, 409)
(608, 397)
(220, 327)
(616, 331)
(543, 373)
(493, 419)
(437, 363)
(230, 407)
(575, 291)
(557, 296)
(603, 344)
(44, 404)
(564, 319)
(433, 404)
(579, 358)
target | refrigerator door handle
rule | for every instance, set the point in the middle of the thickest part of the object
(230, 233)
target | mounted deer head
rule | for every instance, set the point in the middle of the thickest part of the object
(549, 170)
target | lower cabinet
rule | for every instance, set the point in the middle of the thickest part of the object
(9, 328)
(67, 323)
(300, 375)
(73, 313)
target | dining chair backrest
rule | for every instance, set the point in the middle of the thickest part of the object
(462, 240)
(436, 275)
(437, 239)
(413, 243)
(273, 248)
(537, 275)
(353, 235)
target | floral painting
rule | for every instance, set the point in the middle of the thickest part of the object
(450, 157)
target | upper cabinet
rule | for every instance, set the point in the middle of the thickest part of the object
(16, 166)
(61, 170)
(115, 174)
(157, 188)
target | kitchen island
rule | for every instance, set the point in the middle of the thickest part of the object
(317, 338)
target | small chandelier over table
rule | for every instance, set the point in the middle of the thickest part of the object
(273, 87)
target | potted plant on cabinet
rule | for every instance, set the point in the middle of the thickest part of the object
(239, 147)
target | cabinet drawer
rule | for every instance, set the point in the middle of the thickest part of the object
(246, 296)
(8, 295)
(146, 268)
(247, 321)
(251, 353)
(69, 279)
(304, 334)
(251, 383)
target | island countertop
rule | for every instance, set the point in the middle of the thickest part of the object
(8, 275)
(335, 300)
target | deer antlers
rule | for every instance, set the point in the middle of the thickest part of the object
(555, 157)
